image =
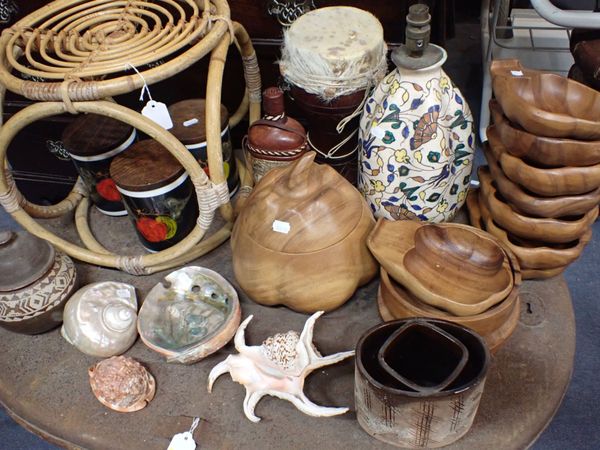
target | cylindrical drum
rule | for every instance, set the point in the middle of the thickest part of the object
(92, 142)
(331, 57)
(189, 127)
(418, 381)
(157, 193)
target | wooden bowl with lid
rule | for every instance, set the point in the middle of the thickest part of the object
(546, 104)
(559, 231)
(300, 240)
(546, 181)
(543, 150)
(533, 205)
(453, 267)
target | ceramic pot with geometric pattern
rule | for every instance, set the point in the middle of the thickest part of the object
(416, 136)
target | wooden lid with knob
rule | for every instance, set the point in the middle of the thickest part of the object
(189, 120)
(92, 134)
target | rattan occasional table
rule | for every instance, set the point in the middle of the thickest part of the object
(75, 55)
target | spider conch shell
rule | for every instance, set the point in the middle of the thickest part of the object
(121, 383)
(278, 367)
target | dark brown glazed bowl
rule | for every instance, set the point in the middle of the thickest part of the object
(391, 412)
(543, 150)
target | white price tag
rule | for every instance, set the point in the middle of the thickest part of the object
(281, 227)
(159, 113)
(182, 441)
(516, 73)
(185, 441)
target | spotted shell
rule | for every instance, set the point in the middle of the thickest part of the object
(121, 383)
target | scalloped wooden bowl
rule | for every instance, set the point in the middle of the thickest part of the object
(538, 206)
(542, 261)
(543, 150)
(558, 231)
(495, 325)
(546, 104)
(454, 267)
(551, 182)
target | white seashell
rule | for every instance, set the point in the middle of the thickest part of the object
(278, 367)
(100, 319)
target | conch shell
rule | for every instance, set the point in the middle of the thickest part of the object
(121, 383)
(278, 367)
(100, 319)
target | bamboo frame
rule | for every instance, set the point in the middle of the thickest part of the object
(217, 41)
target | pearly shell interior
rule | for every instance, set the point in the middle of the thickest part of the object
(100, 319)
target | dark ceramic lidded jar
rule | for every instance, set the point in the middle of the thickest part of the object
(189, 127)
(157, 192)
(35, 283)
(92, 142)
(275, 140)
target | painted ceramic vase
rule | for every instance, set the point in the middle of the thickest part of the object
(416, 141)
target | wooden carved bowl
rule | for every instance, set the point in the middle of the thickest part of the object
(529, 204)
(550, 182)
(558, 231)
(537, 260)
(454, 267)
(543, 150)
(494, 325)
(546, 104)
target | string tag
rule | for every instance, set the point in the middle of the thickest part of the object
(516, 73)
(158, 112)
(155, 111)
(185, 441)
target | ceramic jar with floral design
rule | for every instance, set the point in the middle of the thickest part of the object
(416, 144)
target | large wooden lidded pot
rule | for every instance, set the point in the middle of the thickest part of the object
(300, 240)
(330, 57)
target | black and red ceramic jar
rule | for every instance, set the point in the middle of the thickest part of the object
(189, 126)
(92, 142)
(157, 192)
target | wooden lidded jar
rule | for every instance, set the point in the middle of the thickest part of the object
(276, 140)
(92, 142)
(301, 238)
(189, 126)
(157, 193)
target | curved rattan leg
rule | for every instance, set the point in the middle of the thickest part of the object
(40, 211)
(144, 264)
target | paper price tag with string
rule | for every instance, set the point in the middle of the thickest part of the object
(155, 111)
(185, 441)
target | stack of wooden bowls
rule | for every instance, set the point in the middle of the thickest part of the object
(447, 271)
(540, 192)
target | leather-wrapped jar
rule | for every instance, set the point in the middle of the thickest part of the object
(300, 240)
(276, 140)
(189, 126)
